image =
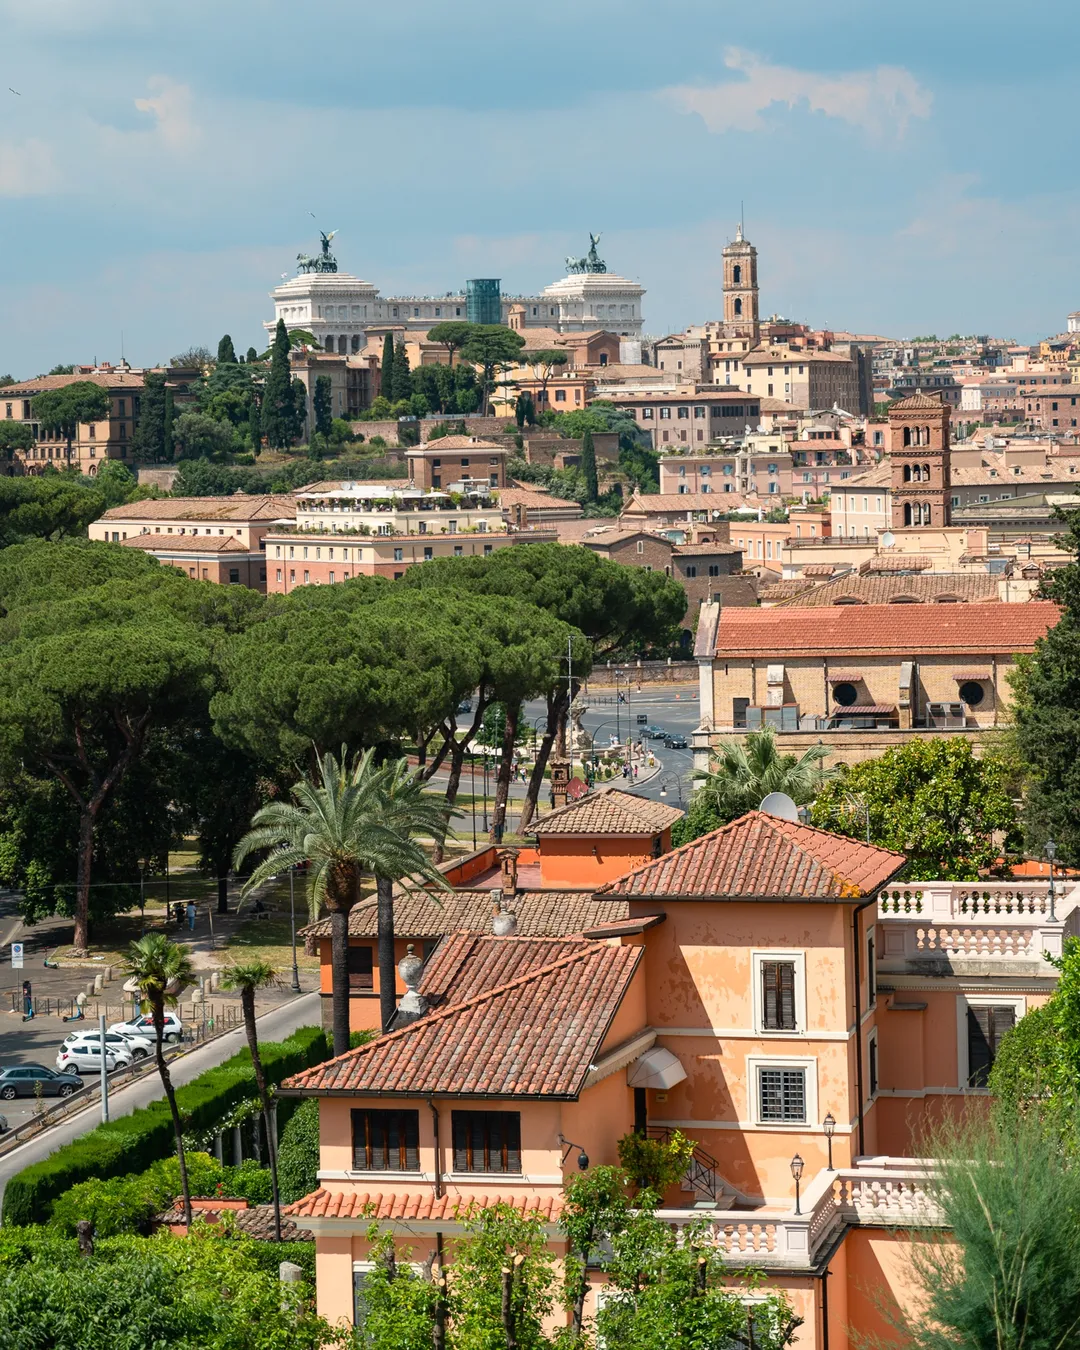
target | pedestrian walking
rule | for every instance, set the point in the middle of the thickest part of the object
(191, 915)
(28, 1001)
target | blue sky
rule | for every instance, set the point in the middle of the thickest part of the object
(903, 170)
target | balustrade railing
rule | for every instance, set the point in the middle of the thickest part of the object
(965, 900)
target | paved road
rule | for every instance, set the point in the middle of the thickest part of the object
(273, 1026)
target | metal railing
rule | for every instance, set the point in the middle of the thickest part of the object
(701, 1172)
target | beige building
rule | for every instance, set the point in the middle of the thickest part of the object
(220, 559)
(240, 517)
(692, 418)
(457, 463)
(866, 675)
(392, 507)
(803, 379)
(94, 442)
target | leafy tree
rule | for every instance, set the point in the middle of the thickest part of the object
(452, 335)
(62, 411)
(489, 345)
(278, 408)
(337, 826)
(402, 380)
(588, 467)
(149, 440)
(91, 665)
(168, 424)
(163, 970)
(386, 368)
(226, 353)
(116, 483)
(252, 356)
(201, 437)
(594, 1207)
(62, 370)
(324, 408)
(745, 773)
(545, 362)
(298, 1153)
(6, 381)
(950, 812)
(503, 1279)
(654, 1165)
(15, 436)
(400, 1307)
(196, 357)
(249, 977)
(1007, 1279)
(1047, 713)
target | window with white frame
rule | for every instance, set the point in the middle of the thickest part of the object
(872, 1064)
(781, 1095)
(779, 993)
(981, 1022)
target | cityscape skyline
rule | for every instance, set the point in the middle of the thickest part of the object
(874, 203)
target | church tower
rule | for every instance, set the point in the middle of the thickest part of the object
(919, 455)
(741, 288)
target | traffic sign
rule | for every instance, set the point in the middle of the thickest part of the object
(16, 956)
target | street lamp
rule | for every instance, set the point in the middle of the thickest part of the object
(142, 897)
(1051, 854)
(829, 1126)
(668, 778)
(796, 1171)
(582, 1157)
(292, 923)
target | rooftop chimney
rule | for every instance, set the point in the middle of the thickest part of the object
(508, 867)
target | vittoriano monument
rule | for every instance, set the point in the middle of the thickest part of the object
(323, 262)
(592, 262)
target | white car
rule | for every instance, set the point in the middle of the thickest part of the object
(138, 1047)
(85, 1058)
(144, 1026)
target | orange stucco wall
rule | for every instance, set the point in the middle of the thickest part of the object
(577, 862)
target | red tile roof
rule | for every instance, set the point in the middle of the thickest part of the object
(907, 630)
(391, 1205)
(762, 857)
(465, 965)
(888, 588)
(533, 1036)
(422, 914)
(611, 812)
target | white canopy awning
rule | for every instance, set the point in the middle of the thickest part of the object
(656, 1068)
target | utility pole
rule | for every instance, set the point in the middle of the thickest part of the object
(104, 1072)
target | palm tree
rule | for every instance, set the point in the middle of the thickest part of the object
(341, 826)
(744, 773)
(248, 977)
(162, 970)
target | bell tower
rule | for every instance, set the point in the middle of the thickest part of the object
(919, 454)
(741, 288)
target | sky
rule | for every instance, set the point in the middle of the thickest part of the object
(900, 170)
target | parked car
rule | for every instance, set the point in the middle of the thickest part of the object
(465, 706)
(85, 1057)
(676, 742)
(654, 732)
(144, 1026)
(138, 1046)
(21, 1080)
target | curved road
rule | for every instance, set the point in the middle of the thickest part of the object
(273, 1026)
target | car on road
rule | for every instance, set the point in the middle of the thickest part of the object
(674, 742)
(144, 1026)
(85, 1057)
(137, 1046)
(21, 1080)
(653, 732)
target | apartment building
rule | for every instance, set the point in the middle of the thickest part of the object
(802, 379)
(93, 442)
(164, 521)
(689, 419)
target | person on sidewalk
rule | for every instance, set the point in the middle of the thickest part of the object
(191, 915)
(28, 1001)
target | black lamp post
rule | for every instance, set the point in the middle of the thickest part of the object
(678, 785)
(1051, 854)
(829, 1126)
(292, 926)
(797, 1165)
(582, 1157)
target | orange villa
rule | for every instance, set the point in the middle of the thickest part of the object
(769, 989)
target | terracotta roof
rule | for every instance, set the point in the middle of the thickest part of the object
(699, 550)
(117, 379)
(865, 710)
(778, 591)
(388, 1206)
(975, 673)
(879, 476)
(467, 964)
(916, 403)
(898, 562)
(883, 589)
(238, 507)
(605, 538)
(611, 812)
(841, 676)
(761, 356)
(256, 1222)
(819, 570)
(994, 628)
(188, 543)
(763, 857)
(455, 443)
(654, 502)
(425, 915)
(534, 1036)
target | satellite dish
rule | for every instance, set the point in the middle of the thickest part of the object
(780, 804)
(888, 539)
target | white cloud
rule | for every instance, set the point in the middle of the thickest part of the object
(27, 170)
(881, 101)
(170, 106)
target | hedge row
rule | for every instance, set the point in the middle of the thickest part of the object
(131, 1143)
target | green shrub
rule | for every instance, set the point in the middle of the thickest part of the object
(132, 1143)
(298, 1153)
(119, 1205)
(655, 1164)
(248, 1181)
(161, 1182)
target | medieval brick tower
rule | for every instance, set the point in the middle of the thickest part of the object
(919, 454)
(741, 288)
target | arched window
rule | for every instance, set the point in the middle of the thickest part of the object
(738, 306)
(926, 473)
(736, 275)
(342, 346)
(926, 435)
(907, 435)
(907, 513)
(907, 473)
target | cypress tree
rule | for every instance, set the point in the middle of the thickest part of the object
(386, 368)
(149, 439)
(252, 355)
(255, 427)
(588, 468)
(167, 438)
(324, 409)
(402, 375)
(278, 411)
(226, 353)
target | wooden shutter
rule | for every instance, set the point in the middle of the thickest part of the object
(460, 1121)
(513, 1141)
(360, 967)
(386, 1141)
(778, 995)
(986, 1026)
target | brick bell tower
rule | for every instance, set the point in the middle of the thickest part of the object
(741, 288)
(919, 455)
